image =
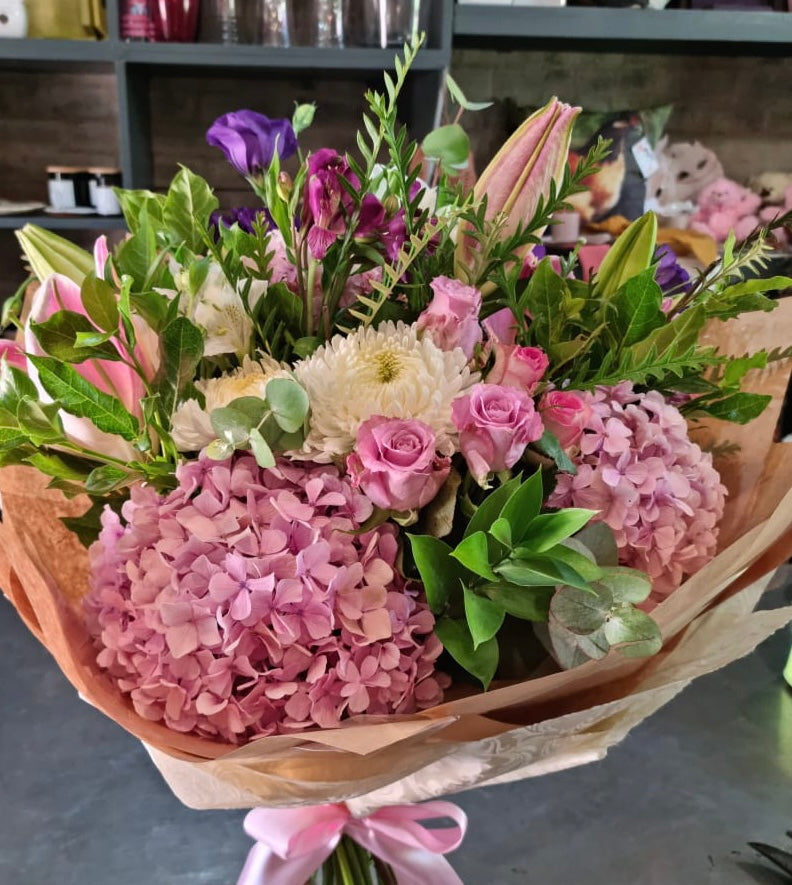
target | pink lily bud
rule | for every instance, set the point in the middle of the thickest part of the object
(522, 170)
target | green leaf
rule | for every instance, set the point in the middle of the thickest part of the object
(481, 662)
(181, 349)
(736, 369)
(101, 303)
(188, 206)
(634, 632)
(289, 403)
(57, 336)
(59, 466)
(542, 298)
(138, 253)
(14, 386)
(577, 557)
(528, 604)
(106, 479)
(303, 117)
(549, 529)
(304, 347)
(135, 203)
(746, 296)
(634, 311)
(88, 525)
(91, 339)
(440, 573)
(501, 531)
(739, 408)
(678, 336)
(152, 307)
(40, 422)
(489, 509)
(550, 445)
(540, 571)
(459, 97)
(261, 450)
(524, 505)
(233, 423)
(473, 552)
(484, 616)
(449, 144)
(581, 612)
(77, 397)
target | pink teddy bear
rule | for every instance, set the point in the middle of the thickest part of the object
(724, 206)
(770, 213)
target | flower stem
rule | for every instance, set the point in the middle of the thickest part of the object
(344, 867)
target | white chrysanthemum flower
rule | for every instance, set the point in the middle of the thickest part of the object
(191, 427)
(386, 371)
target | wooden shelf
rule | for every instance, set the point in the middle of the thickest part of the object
(64, 222)
(650, 29)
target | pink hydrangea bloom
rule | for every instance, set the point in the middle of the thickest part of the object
(654, 487)
(240, 604)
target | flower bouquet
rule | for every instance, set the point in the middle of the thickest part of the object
(356, 499)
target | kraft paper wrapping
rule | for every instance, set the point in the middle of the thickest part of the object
(513, 731)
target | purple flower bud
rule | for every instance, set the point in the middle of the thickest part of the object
(670, 275)
(249, 140)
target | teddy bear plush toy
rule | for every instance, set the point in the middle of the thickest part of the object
(771, 187)
(770, 213)
(725, 205)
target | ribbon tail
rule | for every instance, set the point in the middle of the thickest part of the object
(264, 867)
(412, 866)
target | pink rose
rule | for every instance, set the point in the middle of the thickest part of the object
(521, 367)
(501, 326)
(565, 414)
(451, 319)
(495, 425)
(395, 463)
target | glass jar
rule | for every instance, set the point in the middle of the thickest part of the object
(274, 23)
(390, 22)
(102, 180)
(328, 24)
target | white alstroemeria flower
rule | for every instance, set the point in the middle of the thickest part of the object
(191, 427)
(218, 309)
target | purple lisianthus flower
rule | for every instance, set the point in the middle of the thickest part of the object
(670, 275)
(249, 140)
(244, 216)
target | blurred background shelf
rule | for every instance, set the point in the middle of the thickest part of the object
(650, 29)
(64, 222)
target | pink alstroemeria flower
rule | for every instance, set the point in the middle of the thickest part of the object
(326, 202)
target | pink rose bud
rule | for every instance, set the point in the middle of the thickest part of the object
(395, 463)
(451, 319)
(566, 414)
(521, 367)
(495, 425)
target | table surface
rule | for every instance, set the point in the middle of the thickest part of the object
(674, 804)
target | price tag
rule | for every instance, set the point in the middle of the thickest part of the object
(645, 157)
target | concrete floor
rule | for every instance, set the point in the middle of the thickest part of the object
(673, 805)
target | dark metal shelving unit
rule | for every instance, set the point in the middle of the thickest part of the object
(63, 222)
(479, 25)
(646, 30)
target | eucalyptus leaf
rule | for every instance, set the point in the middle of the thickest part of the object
(581, 612)
(289, 403)
(459, 97)
(633, 631)
(626, 584)
(449, 144)
(573, 649)
(219, 450)
(600, 540)
(261, 450)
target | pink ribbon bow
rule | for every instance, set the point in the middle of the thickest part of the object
(292, 843)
